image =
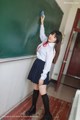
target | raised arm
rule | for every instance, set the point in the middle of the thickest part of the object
(43, 37)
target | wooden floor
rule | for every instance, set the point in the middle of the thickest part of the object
(60, 110)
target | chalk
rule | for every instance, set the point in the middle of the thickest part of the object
(42, 14)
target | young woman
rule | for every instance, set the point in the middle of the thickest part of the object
(39, 73)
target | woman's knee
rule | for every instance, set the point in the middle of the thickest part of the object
(36, 86)
(41, 82)
(42, 89)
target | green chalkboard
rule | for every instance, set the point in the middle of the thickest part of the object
(20, 23)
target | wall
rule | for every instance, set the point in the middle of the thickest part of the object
(66, 9)
(70, 10)
(14, 86)
(72, 13)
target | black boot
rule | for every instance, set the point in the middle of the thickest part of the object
(32, 109)
(47, 115)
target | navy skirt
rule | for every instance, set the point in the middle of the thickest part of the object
(36, 71)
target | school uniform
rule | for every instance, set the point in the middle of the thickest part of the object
(45, 54)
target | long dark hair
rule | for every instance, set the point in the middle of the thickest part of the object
(58, 35)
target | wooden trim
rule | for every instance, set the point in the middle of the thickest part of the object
(77, 29)
(77, 18)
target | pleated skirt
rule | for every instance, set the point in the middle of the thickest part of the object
(36, 71)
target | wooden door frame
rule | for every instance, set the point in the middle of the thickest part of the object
(74, 28)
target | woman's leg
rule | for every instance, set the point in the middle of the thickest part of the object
(35, 95)
(35, 86)
(43, 92)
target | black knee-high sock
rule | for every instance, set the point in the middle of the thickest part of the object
(35, 97)
(46, 103)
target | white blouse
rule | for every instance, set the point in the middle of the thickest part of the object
(45, 53)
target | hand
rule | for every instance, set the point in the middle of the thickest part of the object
(42, 19)
(41, 82)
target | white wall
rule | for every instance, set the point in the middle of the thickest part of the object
(14, 85)
(70, 10)
(65, 8)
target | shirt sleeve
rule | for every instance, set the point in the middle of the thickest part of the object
(47, 65)
(43, 37)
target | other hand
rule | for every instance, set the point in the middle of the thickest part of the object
(41, 82)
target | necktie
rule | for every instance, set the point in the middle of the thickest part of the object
(45, 43)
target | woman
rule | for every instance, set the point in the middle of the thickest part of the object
(39, 73)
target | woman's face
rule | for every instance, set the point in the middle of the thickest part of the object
(52, 38)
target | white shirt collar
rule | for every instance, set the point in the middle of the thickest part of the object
(51, 44)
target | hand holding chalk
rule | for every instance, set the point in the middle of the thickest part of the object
(42, 17)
